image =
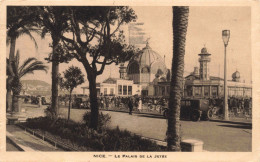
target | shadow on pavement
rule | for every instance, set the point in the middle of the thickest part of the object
(151, 116)
(232, 122)
(238, 126)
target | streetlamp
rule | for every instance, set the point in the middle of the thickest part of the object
(225, 37)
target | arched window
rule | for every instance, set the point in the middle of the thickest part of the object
(133, 68)
(145, 70)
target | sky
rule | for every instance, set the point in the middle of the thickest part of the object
(204, 29)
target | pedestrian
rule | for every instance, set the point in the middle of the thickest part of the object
(140, 105)
(102, 103)
(39, 102)
(107, 102)
(130, 106)
(246, 107)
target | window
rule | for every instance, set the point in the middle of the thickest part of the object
(188, 103)
(124, 90)
(163, 91)
(112, 91)
(214, 91)
(145, 70)
(197, 90)
(129, 90)
(168, 90)
(189, 90)
(119, 89)
(133, 68)
(206, 91)
(182, 103)
(155, 90)
(105, 91)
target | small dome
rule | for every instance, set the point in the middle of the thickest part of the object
(236, 75)
(204, 50)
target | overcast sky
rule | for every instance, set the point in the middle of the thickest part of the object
(205, 27)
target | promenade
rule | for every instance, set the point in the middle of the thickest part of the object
(234, 135)
(24, 141)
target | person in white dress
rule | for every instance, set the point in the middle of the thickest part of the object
(140, 105)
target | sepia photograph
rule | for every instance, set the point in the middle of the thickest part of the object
(126, 78)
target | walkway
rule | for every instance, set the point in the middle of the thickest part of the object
(25, 141)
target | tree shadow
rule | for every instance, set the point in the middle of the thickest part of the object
(240, 126)
(232, 122)
(151, 116)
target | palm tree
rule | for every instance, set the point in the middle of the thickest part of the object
(180, 24)
(28, 67)
(20, 21)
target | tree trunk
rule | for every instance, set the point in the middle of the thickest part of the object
(93, 100)
(180, 23)
(8, 95)
(10, 77)
(15, 102)
(69, 105)
(55, 79)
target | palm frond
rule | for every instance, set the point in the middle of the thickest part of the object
(36, 65)
(26, 62)
(39, 67)
(28, 31)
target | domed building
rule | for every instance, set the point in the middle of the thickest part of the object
(202, 85)
(145, 66)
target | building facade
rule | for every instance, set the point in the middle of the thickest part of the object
(147, 75)
(199, 84)
(119, 87)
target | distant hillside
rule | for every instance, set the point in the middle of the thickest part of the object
(35, 83)
(36, 87)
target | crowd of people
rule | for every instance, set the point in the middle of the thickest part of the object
(140, 104)
(235, 104)
(133, 102)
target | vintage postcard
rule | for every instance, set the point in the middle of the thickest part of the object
(129, 80)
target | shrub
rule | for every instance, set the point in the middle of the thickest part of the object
(84, 137)
(49, 112)
(103, 120)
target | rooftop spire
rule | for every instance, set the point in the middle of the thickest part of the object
(147, 42)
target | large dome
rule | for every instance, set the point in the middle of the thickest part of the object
(145, 66)
(146, 60)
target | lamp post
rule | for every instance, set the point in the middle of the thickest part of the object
(225, 37)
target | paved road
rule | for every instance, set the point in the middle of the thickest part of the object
(217, 136)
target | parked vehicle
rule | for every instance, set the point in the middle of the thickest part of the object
(81, 102)
(192, 109)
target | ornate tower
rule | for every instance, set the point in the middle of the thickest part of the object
(204, 64)
(122, 71)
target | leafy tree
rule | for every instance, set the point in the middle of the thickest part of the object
(96, 41)
(72, 78)
(20, 21)
(54, 20)
(180, 24)
(29, 66)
